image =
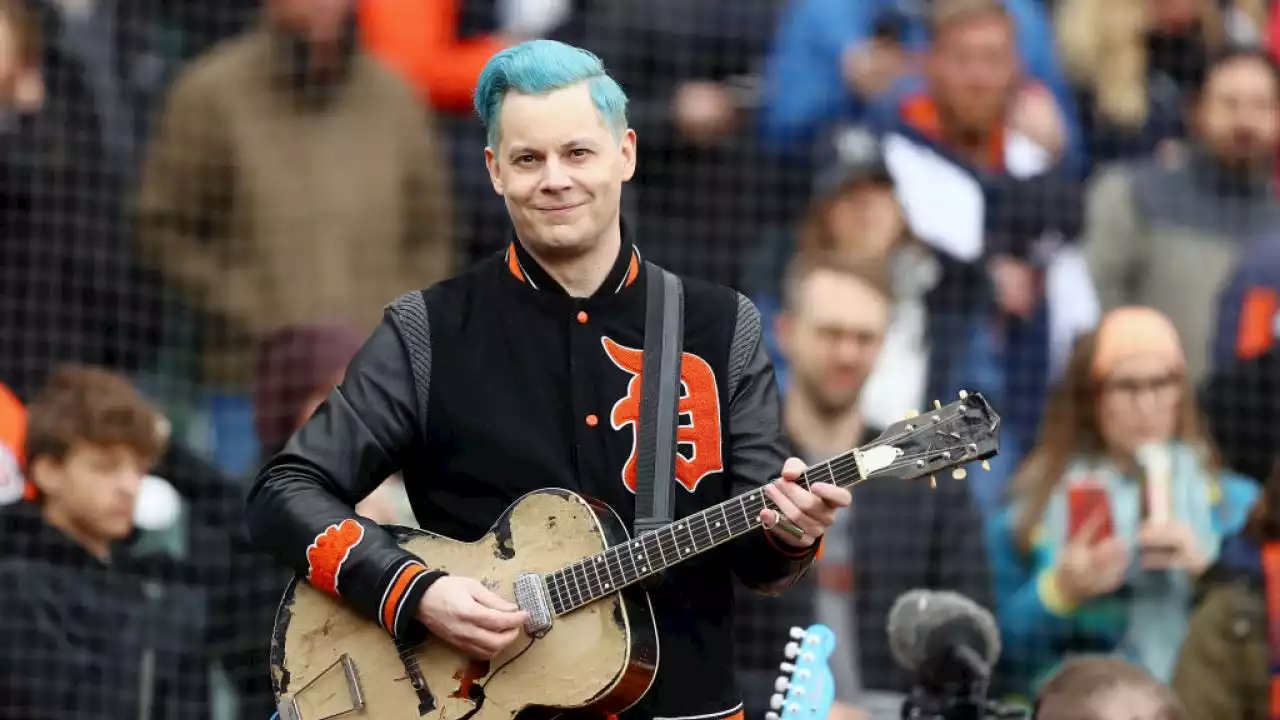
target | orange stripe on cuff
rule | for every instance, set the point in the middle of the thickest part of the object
(398, 588)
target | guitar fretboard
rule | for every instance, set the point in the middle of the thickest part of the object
(608, 572)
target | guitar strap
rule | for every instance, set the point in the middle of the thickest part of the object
(656, 444)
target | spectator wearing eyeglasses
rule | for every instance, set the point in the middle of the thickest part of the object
(1083, 560)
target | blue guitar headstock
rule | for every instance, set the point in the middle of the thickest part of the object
(805, 689)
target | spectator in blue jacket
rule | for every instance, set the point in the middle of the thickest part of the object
(832, 58)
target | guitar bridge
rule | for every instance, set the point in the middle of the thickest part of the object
(289, 709)
(532, 597)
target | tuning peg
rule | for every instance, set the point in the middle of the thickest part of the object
(791, 651)
(771, 715)
(933, 483)
(964, 394)
(912, 413)
(937, 404)
(781, 684)
(797, 633)
(775, 701)
(959, 474)
(986, 465)
(787, 667)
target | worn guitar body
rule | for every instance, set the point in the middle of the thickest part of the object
(328, 661)
(590, 643)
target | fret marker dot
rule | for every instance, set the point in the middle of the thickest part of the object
(686, 551)
(606, 586)
(644, 569)
(717, 523)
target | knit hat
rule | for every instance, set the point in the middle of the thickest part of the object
(1134, 330)
(294, 364)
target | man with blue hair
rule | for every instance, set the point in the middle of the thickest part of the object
(522, 374)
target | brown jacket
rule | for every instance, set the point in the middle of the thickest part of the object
(1222, 669)
(267, 211)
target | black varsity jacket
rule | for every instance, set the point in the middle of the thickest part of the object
(530, 388)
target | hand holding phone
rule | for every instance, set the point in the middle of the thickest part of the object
(1085, 502)
(1091, 564)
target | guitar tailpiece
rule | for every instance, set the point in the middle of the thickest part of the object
(532, 597)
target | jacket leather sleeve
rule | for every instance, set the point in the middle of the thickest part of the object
(301, 509)
(757, 451)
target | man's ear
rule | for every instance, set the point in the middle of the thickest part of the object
(783, 325)
(628, 150)
(491, 162)
(47, 475)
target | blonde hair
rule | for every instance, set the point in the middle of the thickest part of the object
(1103, 48)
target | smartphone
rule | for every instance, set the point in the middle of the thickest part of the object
(1083, 501)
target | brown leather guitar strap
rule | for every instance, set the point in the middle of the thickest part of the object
(656, 445)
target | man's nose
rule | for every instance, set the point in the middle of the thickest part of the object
(555, 176)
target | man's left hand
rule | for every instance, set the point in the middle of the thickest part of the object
(812, 510)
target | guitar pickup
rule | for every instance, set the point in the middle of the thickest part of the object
(290, 706)
(532, 597)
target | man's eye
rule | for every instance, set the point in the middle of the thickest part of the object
(579, 152)
(525, 159)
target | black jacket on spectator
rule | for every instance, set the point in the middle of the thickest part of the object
(95, 641)
(67, 287)
(244, 585)
(1241, 404)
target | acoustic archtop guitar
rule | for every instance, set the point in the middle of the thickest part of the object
(591, 641)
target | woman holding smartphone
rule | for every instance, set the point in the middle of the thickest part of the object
(1116, 512)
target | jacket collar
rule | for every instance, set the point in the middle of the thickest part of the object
(33, 538)
(920, 113)
(625, 270)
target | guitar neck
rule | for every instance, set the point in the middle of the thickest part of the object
(608, 572)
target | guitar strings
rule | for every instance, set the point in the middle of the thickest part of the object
(668, 544)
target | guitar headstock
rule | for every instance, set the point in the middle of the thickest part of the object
(965, 431)
(806, 689)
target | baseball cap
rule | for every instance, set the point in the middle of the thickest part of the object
(852, 155)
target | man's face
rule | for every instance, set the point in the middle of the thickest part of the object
(94, 489)
(559, 169)
(1239, 112)
(314, 20)
(973, 66)
(866, 220)
(832, 337)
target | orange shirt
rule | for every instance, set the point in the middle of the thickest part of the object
(13, 438)
(419, 39)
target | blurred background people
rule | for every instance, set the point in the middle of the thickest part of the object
(1106, 688)
(1169, 234)
(1105, 577)
(831, 330)
(1224, 667)
(292, 180)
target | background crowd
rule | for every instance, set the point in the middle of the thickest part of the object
(1069, 205)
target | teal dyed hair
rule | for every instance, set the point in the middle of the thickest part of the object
(538, 67)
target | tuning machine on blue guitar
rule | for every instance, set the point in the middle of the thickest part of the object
(806, 689)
